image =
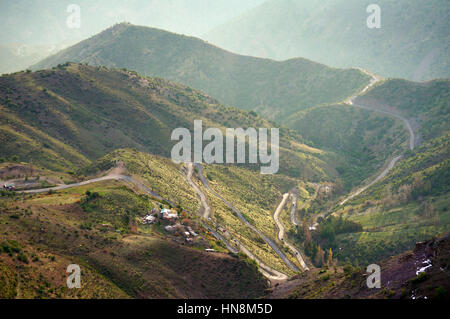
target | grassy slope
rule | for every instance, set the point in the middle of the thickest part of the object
(362, 139)
(275, 89)
(254, 194)
(428, 103)
(53, 230)
(396, 212)
(72, 114)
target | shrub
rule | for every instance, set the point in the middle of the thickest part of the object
(21, 257)
(420, 278)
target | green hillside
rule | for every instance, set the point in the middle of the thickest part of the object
(428, 104)
(413, 41)
(65, 117)
(411, 203)
(363, 140)
(123, 259)
(273, 89)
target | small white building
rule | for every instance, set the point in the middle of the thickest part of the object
(168, 214)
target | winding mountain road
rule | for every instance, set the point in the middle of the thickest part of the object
(266, 239)
(294, 220)
(282, 233)
(267, 271)
(412, 138)
(206, 209)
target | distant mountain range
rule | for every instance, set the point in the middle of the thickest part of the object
(412, 43)
(273, 89)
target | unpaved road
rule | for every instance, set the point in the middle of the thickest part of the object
(281, 232)
(109, 177)
(206, 209)
(378, 178)
(412, 138)
(375, 80)
(266, 239)
(273, 275)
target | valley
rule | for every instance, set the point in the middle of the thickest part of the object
(89, 176)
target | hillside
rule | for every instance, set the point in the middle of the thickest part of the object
(98, 227)
(409, 205)
(413, 41)
(427, 105)
(254, 194)
(411, 202)
(363, 140)
(68, 116)
(402, 277)
(273, 89)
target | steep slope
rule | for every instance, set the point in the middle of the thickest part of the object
(413, 41)
(426, 105)
(65, 117)
(99, 227)
(364, 140)
(274, 89)
(411, 202)
(422, 273)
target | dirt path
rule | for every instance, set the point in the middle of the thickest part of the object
(206, 209)
(378, 178)
(266, 239)
(282, 233)
(273, 275)
(412, 138)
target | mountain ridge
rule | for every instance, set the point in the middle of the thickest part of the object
(272, 88)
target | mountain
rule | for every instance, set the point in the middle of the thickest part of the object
(409, 203)
(402, 277)
(273, 89)
(363, 140)
(412, 42)
(66, 117)
(99, 227)
(32, 31)
(427, 104)
(31, 23)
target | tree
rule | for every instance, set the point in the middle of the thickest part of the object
(320, 257)
(330, 257)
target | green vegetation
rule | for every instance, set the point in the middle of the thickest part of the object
(409, 205)
(428, 103)
(273, 89)
(63, 129)
(93, 226)
(360, 139)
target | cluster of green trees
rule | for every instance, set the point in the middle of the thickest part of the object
(319, 244)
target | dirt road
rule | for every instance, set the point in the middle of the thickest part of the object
(281, 232)
(206, 209)
(412, 138)
(266, 239)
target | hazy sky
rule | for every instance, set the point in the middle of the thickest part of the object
(44, 21)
